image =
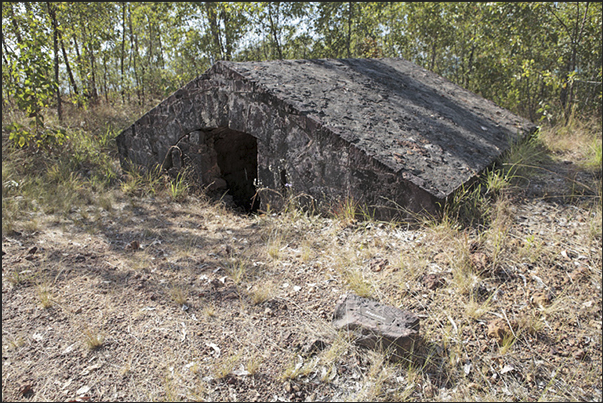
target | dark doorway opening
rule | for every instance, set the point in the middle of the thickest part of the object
(238, 162)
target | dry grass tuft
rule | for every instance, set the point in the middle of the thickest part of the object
(254, 363)
(357, 282)
(94, 339)
(237, 269)
(178, 294)
(44, 295)
(15, 342)
(274, 245)
(224, 366)
(262, 292)
(209, 310)
(475, 309)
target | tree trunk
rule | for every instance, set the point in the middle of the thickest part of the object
(213, 25)
(150, 46)
(55, 43)
(433, 56)
(4, 55)
(470, 66)
(19, 41)
(105, 79)
(134, 54)
(69, 72)
(228, 45)
(5, 89)
(567, 90)
(160, 59)
(80, 64)
(123, 49)
(274, 32)
(93, 93)
(349, 39)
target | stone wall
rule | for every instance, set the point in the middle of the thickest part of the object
(383, 132)
(199, 124)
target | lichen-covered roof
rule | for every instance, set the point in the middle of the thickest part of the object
(433, 132)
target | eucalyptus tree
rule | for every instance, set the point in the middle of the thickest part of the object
(350, 29)
(223, 25)
(578, 33)
(278, 29)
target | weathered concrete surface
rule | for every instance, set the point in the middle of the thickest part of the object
(384, 132)
(376, 325)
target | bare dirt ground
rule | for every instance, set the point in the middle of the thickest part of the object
(151, 299)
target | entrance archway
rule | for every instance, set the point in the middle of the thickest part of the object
(238, 162)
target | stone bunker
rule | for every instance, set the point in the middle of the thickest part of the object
(385, 133)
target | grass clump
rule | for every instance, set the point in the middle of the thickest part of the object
(476, 309)
(522, 159)
(376, 379)
(306, 250)
(140, 182)
(530, 323)
(594, 158)
(346, 210)
(496, 181)
(171, 394)
(44, 295)
(254, 363)
(296, 366)
(225, 365)
(341, 344)
(178, 295)
(274, 246)
(357, 283)
(507, 343)
(178, 188)
(24, 277)
(237, 270)
(466, 207)
(262, 293)
(94, 339)
(209, 310)
(580, 137)
(16, 342)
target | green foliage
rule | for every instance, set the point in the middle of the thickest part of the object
(27, 80)
(178, 187)
(277, 26)
(595, 155)
(520, 161)
(540, 60)
(496, 181)
(467, 206)
(139, 182)
(32, 87)
(36, 134)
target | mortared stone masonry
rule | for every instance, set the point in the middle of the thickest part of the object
(384, 132)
